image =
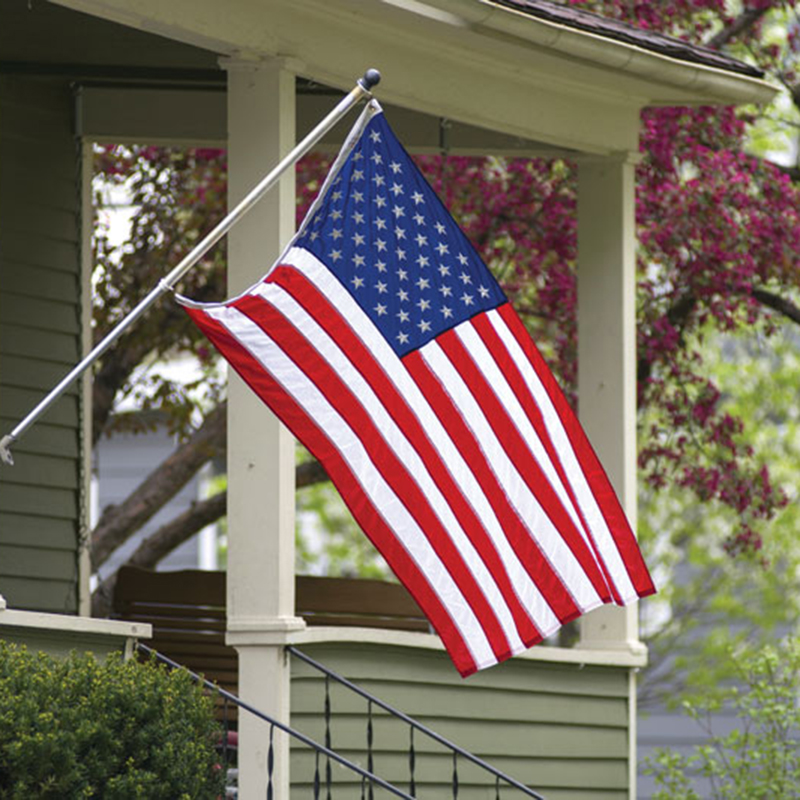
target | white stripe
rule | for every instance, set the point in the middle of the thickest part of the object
(541, 527)
(598, 527)
(497, 382)
(316, 272)
(400, 445)
(305, 393)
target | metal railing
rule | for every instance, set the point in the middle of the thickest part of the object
(500, 778)
(368, 779)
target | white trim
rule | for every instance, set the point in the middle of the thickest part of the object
(34, 620)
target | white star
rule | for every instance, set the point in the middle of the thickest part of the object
(447, 312)
(358, 239)
(422, 241)
(380, 201)
(424, 305)
(377, 158)
(378, 180)
(443, 270)
(417, 198)
(423, 284)
(375, 136)
(399, 232)
(440, 228)
(357, 156)
(398, 212)
(358, 174)
(381, 287)
(422, 261)
(380, 266)
(336, 255)
(446, 291)
(484, 292)
(336, 233)
(337, 195)
(336, 214)
(402, 274)
(423, 326)
(380, 309)
(462, 259)
(314, 235)
(380, 244)
(402, 338)
(358, 197)
(380, 222)
(419, 219)
(395, 167)
(358, 218)
(403, 295)
(442, 248)
(402, 316)
(466, 299)
(465, 279)
(401, 254)
(358, 261)
(358, 282)
(396, 189)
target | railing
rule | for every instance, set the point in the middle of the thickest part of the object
(500, 778)
(368, 779)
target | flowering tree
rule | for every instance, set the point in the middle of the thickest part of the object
(719, 238)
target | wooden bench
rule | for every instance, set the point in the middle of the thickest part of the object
(187, 612)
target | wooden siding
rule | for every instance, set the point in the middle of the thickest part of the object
(560, 728)
(40, 334)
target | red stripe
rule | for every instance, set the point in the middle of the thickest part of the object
(315, 303)
(521, 390)
(392, 469)
(531, 557)
(372, 523)
(593, 471)
(520, 455)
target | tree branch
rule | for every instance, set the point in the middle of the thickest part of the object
(740, 25)
(779, 304)
(117, 523)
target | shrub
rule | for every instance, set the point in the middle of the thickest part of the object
(760, 758)
(79, 727)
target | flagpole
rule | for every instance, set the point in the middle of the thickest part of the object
(362, 89)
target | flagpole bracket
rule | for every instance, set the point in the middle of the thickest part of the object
(5, 450)
(371, 78)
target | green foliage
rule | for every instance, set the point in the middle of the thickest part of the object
(118, 729)
(760, 758)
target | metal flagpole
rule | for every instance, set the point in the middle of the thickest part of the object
(360, 90)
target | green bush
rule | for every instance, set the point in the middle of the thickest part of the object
(760, 758)
(118, 729)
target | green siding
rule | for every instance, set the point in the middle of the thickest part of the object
(40, 334)
(561, 729)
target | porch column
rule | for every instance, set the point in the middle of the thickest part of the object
(607, 369)
(260, 594)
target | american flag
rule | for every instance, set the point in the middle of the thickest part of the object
(385, 345)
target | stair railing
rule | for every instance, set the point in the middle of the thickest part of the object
(368, 778)
(457, 752)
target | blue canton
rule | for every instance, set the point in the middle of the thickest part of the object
(393, 245)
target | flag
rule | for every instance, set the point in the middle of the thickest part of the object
(385, 345)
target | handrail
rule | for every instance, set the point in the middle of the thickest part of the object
(365, 774)
(413, 723)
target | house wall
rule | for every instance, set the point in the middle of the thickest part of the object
(562, 729)
(40, 338)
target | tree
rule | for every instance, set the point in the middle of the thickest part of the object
(719, 233)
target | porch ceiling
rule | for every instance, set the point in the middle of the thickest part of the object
(472, 61)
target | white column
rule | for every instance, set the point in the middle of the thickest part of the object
(261, 130)
(607, 370)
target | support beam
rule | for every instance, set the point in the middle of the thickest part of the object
(607, 368)
(261, 130)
